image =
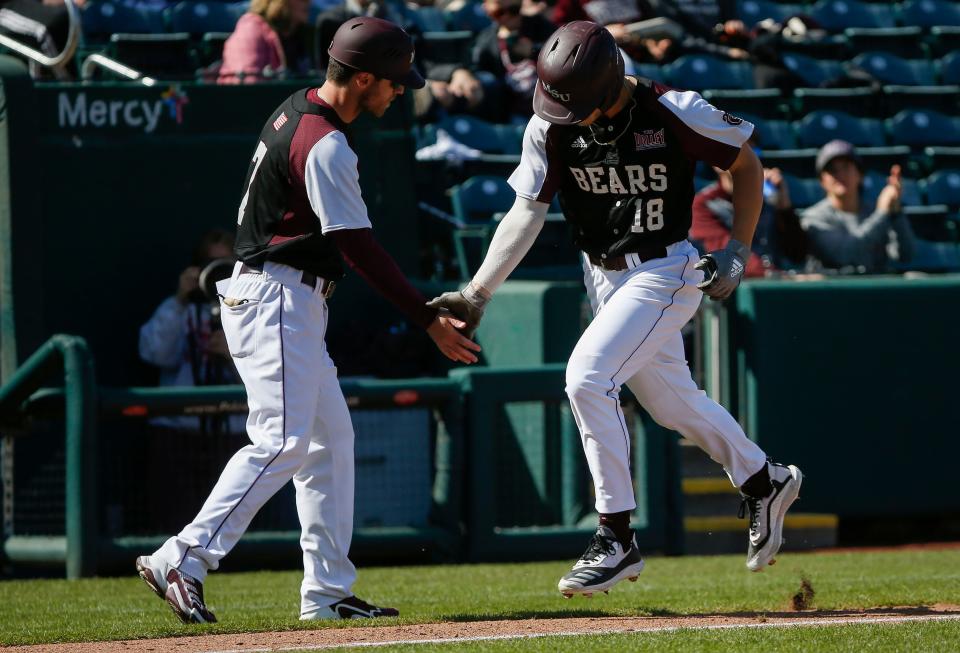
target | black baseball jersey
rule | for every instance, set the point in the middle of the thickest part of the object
(627, 184)
(301, 184)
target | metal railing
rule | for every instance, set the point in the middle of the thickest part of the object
(94, 61)
(70, 356)
(73, 39)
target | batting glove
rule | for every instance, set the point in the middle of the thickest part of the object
(467, 305)
(722, 270)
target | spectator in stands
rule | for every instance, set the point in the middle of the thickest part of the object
(184, 341)
(707, 26)
(779, 242)
(330, 20)
(843, 232)
(507, 51)
(181, 338)
(268, 41)
(40, 25)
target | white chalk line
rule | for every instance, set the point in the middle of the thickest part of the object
(611, 631)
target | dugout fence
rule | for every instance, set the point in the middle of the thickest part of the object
(483, 465)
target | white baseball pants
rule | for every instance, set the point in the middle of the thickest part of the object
(299, 427)
(635, 339)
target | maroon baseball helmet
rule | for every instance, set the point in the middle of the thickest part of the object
(580, 70)
(376, 46)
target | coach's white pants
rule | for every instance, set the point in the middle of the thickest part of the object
(299, 428)
(635, 339)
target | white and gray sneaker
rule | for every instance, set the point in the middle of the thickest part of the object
(767, 514)
(604, 564)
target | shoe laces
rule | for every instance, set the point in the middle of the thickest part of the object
(194, 590)
(753, 505)
(599, 545)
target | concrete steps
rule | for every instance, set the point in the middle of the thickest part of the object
(711, 503)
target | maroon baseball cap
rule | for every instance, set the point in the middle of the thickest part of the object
(376, 46)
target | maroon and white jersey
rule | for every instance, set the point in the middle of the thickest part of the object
(628, 185)
(302, 183)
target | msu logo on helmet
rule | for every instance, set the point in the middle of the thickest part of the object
(583, 59)
(563, 97)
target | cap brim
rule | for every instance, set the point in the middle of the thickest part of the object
(412, 79)
(554, 112)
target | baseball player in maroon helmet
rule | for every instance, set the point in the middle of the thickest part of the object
(300, 217)
(620, 151)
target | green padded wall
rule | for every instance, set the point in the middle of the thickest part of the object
(853, 381)
(533, 322)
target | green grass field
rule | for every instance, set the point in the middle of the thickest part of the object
(33, 612)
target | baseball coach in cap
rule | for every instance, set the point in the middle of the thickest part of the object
(300, 216)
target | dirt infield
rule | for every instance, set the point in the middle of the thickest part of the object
(328, 638)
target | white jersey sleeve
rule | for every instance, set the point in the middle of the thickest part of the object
(706, 133)
(537, 177)
(333, 185)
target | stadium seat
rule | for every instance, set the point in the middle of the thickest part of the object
(919, 128)
(874, 181)
(752, 12)
(446, 47)
(933, 222)
(804, 191)
(211, 47)
(940, 157)
(475, 202)
(860, 101)
(828, 46)
(943, 187)
(950, 68)
(837, 15)
(101, 19)
(429, 19)
(799, 162)
(650, 71)
(773, 134)
(766, 102)
(932, 257)
(163, 56)
(901, 41)
(880, 159)
(470, 16)
(479, 134)
(927, 13)
(944, 40)
(932, 98)
(478, 198)
(814, 72)
(820, 127)
(699, 71)
(201, 17)
(891, 69)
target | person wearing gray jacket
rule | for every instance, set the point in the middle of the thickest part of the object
(843, 233)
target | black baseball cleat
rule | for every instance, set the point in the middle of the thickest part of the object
(767, 514)
(604, 564)
(351, 607)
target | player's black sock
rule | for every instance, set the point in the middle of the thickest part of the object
(758, 485)
(619, 523)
